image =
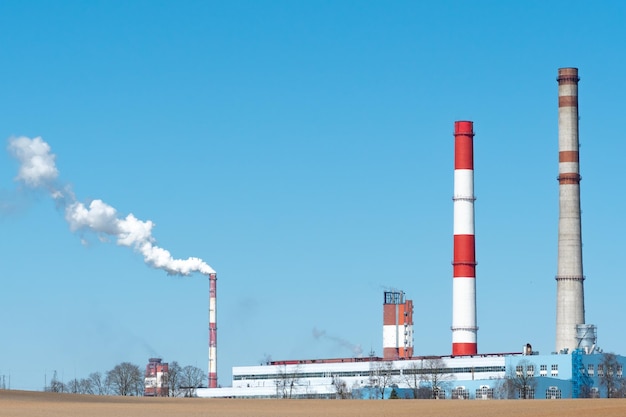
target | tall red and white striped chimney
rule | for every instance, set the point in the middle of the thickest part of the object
(212, 383)
(464, 327)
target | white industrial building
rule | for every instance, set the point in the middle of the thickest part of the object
(554, 376)
(318, 379)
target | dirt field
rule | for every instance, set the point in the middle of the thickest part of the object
(38, 404)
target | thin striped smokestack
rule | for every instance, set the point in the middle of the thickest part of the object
(570, 304)
(212, 331)
(464, 327)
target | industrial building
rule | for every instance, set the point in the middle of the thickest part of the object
(577, 368)
(482, 376)
(156, 378)
(554, 376)
(397, 326)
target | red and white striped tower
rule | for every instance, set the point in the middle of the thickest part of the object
(156, 378)
(397, 326)
(464, 327)
(212, 331)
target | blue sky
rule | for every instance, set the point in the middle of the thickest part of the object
(304, 150)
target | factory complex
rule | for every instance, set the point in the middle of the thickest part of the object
(576, 369)
(523, 374)
(464, 377)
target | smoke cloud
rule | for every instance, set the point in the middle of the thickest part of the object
(38, 171)
(356, 350)
(37, 166)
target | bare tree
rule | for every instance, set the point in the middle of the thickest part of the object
(412, 376)
(381, 376)
(620, 389)
(80, 386)
(73, 386)
(85, 387)
(56, 385)
(586, 391)
(98, 384)
(520, 380)
(341, 389)
(174, 379)
(610, 376)
(125, 379)
(435, 375)
(501, 389)
(287, 381)
(191, 378)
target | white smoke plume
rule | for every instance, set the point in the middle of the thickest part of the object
(38, 170)
(36, 162)
(356, 350)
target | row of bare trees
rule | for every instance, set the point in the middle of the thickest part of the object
(124, 379)
(287, 382)
(428, 379)
(127, 379)
(184, 380)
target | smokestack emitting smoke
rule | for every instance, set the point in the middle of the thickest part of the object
(570, 304)
(464, 327)
(38, 171)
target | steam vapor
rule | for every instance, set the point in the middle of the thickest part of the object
(355, 349)
(38, 171)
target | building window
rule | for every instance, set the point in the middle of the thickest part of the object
(554, 370)
(553, 393)
(619, 371)
(600, 370)
(484, 393)
(543, 370)
(590, 369)
(594, 392)
(530, 370)
(460, 393)
(519, 369)
(394, 297)
(529, 391)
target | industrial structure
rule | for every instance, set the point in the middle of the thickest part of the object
(577, 368)
(481, 376)
(397, 326)
(570, 302)
(464, 327)
(156, 378)
(212, 330)
(486, 376)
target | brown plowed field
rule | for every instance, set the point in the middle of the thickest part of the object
(39, 404)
